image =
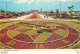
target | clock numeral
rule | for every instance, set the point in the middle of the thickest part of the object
(2, 35)
(40, 46)
(66, 42)
(36, 46)
(11, 43)
(75, 34)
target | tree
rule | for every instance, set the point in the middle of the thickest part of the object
(51, 11)
(57, 10)
(71, 8)
(2, 11)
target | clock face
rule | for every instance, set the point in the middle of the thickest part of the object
(38, 35)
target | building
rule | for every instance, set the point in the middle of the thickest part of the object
(34, 11)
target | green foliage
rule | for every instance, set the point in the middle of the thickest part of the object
(2, 11)
(57, 10)
(71, 8)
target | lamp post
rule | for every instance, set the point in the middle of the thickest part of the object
(6, 9)
(60, 9)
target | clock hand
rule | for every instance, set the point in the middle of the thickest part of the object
(36, 25)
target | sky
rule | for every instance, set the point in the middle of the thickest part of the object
(46, 5)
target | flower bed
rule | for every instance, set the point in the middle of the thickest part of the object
(18, 35)
(34, 16)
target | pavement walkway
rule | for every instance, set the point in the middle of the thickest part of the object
(25, 16)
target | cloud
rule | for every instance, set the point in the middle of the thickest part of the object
(40, 1)
(21, 1)
(63, 0)
(46, 1)
(68, 0)
(24, 1)
(31, 1)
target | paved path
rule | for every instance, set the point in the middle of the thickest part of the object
(18, 18)
(49, 18)
(22, 17)
(25, 16)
